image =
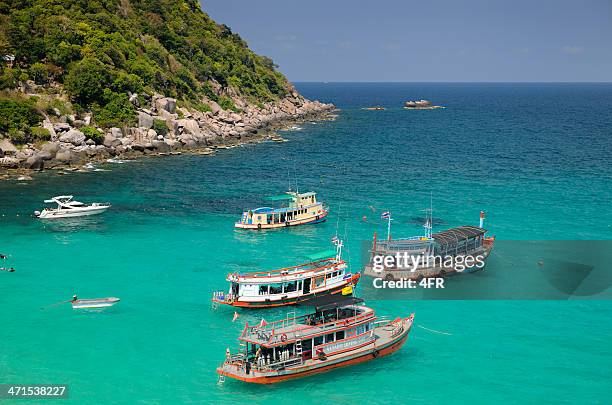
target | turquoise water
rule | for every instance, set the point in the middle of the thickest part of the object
(536, 157)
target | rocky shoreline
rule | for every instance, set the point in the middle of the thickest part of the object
(185, 131)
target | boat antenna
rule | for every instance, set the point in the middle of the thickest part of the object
(297, 188)
(429, 218)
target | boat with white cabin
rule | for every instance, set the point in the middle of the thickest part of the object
(67, 207)
(302, 209)
(325, 273)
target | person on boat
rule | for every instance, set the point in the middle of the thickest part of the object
(74, 298)
(3, 256)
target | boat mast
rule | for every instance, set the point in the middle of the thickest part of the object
(429, 220)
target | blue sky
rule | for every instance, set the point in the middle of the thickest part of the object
(427, 40)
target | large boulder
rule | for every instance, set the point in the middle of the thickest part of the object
(74, 136)
(7, 147)
(144, 120)
(61, 127)
(111, 141)
(35, 163)
(64, 156)
(166, 104)
(116, 132)
(161, 146)
(51, 148)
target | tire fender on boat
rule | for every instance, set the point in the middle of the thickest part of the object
(286, 223)
(259, 226)
(317, 217)
(375, 353)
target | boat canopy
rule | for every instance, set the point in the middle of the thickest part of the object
(280, 197)
(460, 233)
(321, 255)
(62, 198)
(329, 301)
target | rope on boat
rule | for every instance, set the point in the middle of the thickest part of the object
(435, 331)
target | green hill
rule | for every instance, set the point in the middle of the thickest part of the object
(98, 51)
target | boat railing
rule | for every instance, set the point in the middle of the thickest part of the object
(270, 334)
(222, 296)
(262, 365)
(396, 326)
(315, 267)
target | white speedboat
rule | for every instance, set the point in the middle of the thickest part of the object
(68, 208)
(94, 302)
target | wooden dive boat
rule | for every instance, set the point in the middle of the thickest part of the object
(337, 334)
(437, 254)
(302, 209)
(324, 274)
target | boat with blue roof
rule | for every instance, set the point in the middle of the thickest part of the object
(300, 209)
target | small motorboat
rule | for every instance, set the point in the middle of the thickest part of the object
(69, 208)
(93, 302)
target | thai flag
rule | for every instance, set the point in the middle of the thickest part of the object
(385, 215)
(262, 323)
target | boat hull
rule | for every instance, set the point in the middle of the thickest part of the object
(371, 354)
(306, 221)
(290, 301)
(73, 213)
(95, 303)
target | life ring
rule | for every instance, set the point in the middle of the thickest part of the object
(284, 337)
(375, 353)
(259, 226)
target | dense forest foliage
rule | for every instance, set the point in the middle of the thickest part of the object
(100, 50)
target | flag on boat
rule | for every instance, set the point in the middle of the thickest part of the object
(348, 290)
(385, 215)
(235, 316)
(262, 323)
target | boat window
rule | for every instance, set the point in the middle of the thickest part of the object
(307, 345)
(290, 287)
(350, 332)
(340, 335)
(329, 337)
(276, 288)
(328, 275)
(319, 281)
(263, 289)
(318, 340)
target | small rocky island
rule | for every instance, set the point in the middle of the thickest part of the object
(420, 105)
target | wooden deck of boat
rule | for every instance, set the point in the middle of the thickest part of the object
(386, 341)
